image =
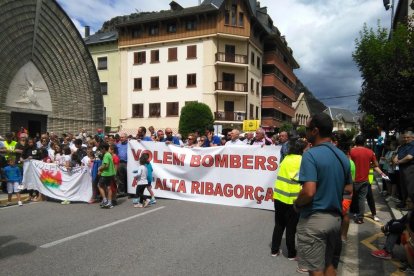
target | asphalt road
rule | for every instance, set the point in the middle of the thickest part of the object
(170, 238)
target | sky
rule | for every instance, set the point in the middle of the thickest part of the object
(321, 34)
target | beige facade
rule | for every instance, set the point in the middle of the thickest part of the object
(302, 112)
(107, 60)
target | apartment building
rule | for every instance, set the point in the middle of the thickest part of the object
(103, 47)
(212, 53)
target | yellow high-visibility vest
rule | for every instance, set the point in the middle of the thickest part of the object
(371, 176)
(287, 186)
(10, 147)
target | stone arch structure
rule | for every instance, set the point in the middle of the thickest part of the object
(47, 77)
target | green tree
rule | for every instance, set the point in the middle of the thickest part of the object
(195, 117)
(369, 128)
(387, 69)
(286, 127)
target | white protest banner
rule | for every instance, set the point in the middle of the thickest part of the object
(56, 182)
(230, 175)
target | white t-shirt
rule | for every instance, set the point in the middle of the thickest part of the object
(85, 161)
(142, 175)
(235, 142)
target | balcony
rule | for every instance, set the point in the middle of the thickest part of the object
(229, 116)
(227, 87)
(231, 59)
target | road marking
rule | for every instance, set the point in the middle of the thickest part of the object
(368, 243)
(51, 244)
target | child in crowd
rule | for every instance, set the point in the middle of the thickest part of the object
(113, 150)
(31, 152)
(107, 173)
(13, 178)
(149, 178)
(142, 182)
(97, 162)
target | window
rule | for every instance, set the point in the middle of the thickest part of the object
(137, 110)
(154, 109)
(251, 112)
(153, 30)
(190, 25)
(241, 19)
(136, 33)
(139, 57)
(257, 113)
(104, 88)
(191, 80)
(155, 56)
(172, 109)
(191, 51)
(257, 88)
(252, 58)
(138, 84)
(258, 63)
(227, 17)
(233, 15)
(172, 81)
(172, 54)
(252, 85)
(155, 82)
(172, 28)
(102, 63)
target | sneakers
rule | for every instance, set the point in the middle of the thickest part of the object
(103, 203)
(406, 269)
(152, 201)
(146, 202)
(294, 258)
(382, 254)
(276, 253)
(359, 220)
(20, 203)
(108, 206)
(302, 270)
(376, 218)
(396, 200)
(65, 202)
(138, 205)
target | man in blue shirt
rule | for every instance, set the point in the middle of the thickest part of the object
(212, 140)
(141, 134)
(169, 138)
(325, 174)
(123, 158)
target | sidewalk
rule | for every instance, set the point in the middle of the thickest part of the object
(3, 199)
(395, 212)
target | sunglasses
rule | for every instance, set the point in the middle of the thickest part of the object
(168, 132)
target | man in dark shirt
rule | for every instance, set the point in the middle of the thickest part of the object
(123, 159)
(404, 159)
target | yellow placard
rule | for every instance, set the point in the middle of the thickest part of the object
(251, 125)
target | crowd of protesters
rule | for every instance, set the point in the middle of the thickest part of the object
(324, 177)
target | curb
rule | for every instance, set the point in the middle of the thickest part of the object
(395, 212)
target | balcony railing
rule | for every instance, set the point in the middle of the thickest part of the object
(231, 86)
(229, 116)
(233, 58)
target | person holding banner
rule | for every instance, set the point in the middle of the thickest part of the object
(286, 190)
